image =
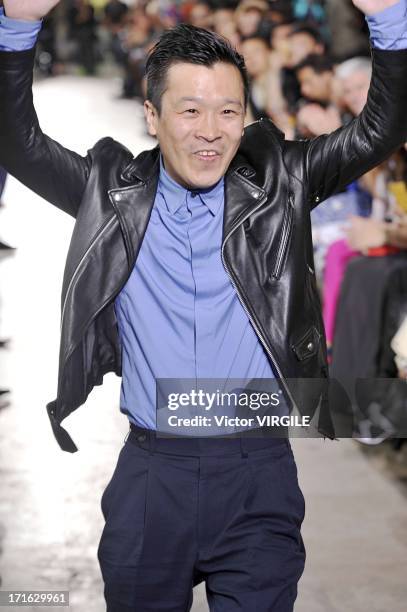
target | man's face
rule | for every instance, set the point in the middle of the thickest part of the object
(300, 46)
(315, 86)
(248, 21)
(354, 91)
(279, 35)
(222, 17)
(201, 122)
(200, 16)
(256, 56)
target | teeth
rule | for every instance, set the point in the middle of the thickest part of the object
(207, 153)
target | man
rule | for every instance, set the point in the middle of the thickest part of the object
(223, 21)
(200, 14)
(251, 19)
(304, 40)
(158, 284)
(256, 54)
(301, 40)
(317, 82)
(316, 78)
(115, 13)
(354, 78)
(83, 30)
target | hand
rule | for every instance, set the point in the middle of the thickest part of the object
(28, 10)
(318, 120)
(370, 7)
(365, 233)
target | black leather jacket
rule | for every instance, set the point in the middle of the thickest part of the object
(270, 188)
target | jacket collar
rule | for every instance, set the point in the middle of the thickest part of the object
(133, 202)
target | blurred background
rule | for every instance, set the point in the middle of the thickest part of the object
(310, 69)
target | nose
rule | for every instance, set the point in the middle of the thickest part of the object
(208, 128)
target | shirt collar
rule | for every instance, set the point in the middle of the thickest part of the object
(175, 195)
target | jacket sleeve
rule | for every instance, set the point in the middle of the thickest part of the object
(334, 160)
(52, 171)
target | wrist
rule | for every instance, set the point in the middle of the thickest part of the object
(24, 19)
(15, 16)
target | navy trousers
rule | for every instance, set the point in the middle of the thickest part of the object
(180, 511)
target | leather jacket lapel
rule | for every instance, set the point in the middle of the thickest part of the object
(133, 204)
(241, 196)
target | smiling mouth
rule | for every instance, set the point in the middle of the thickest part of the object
(207, 154)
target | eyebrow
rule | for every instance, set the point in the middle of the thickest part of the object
(225, 100)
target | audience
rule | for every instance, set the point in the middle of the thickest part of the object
(82, 30)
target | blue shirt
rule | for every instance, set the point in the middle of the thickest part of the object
(16, 34)
(388, 30)
(178, 314)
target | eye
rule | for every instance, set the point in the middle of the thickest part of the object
(191, 111)
(229, 111)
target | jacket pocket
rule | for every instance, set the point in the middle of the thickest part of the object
(308, 345)
(285, 236)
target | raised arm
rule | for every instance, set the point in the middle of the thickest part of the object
(54, 172)
(334, 160)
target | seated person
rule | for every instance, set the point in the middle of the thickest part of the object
(372, 302)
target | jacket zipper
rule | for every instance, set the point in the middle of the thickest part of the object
(245, 308)
(259, 333)
(285, 235)
(102, 231)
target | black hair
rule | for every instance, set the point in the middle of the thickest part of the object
(192, 45)
(283, 8)
(311, 30)
(220, 5)
(257, 36)
(318, 63)
(285, 22)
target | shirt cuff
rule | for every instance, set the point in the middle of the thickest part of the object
(388, 29)
(17, 34)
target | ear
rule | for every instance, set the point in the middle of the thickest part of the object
(150, 114)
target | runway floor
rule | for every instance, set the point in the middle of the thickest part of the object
(355, 529)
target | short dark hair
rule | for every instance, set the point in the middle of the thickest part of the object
(192, 45)
(257, 36)
(304, 27)
(318, 63)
